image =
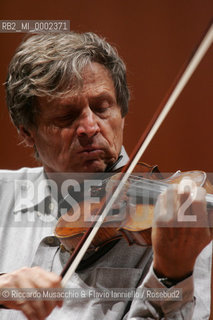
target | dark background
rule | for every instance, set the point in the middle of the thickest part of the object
(155, 38)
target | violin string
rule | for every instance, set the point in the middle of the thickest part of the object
(139, 186)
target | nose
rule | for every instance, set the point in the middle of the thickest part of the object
(88, 126)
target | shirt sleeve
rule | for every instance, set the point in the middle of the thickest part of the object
(159, 302)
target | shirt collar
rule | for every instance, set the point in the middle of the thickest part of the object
(123, 159)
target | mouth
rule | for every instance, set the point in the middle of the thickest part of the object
(91, 152)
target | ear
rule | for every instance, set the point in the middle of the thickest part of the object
(27, 136)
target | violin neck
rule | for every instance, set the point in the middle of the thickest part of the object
(147, 191)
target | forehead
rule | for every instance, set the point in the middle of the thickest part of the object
(95, 73)
(96, 82)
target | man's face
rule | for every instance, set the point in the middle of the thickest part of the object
(82, 132)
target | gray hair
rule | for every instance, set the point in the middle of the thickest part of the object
(45, 64)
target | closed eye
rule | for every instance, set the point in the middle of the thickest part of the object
(64, 121)
(101, 107)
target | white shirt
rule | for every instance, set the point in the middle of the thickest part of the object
(27, 224)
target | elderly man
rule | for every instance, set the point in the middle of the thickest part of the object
(67, 95)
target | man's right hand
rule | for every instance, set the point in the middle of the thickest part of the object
(31, 278)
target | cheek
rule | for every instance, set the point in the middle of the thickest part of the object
(66, 137)
(57, 135)
(117, 126)
(48, 138)
(115, 133)
(49, 135)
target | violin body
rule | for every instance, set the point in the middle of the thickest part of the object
(132, 216)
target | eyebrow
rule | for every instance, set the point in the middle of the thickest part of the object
(99, 97)
(102, 96)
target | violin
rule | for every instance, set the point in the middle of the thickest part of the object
(135, 209)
